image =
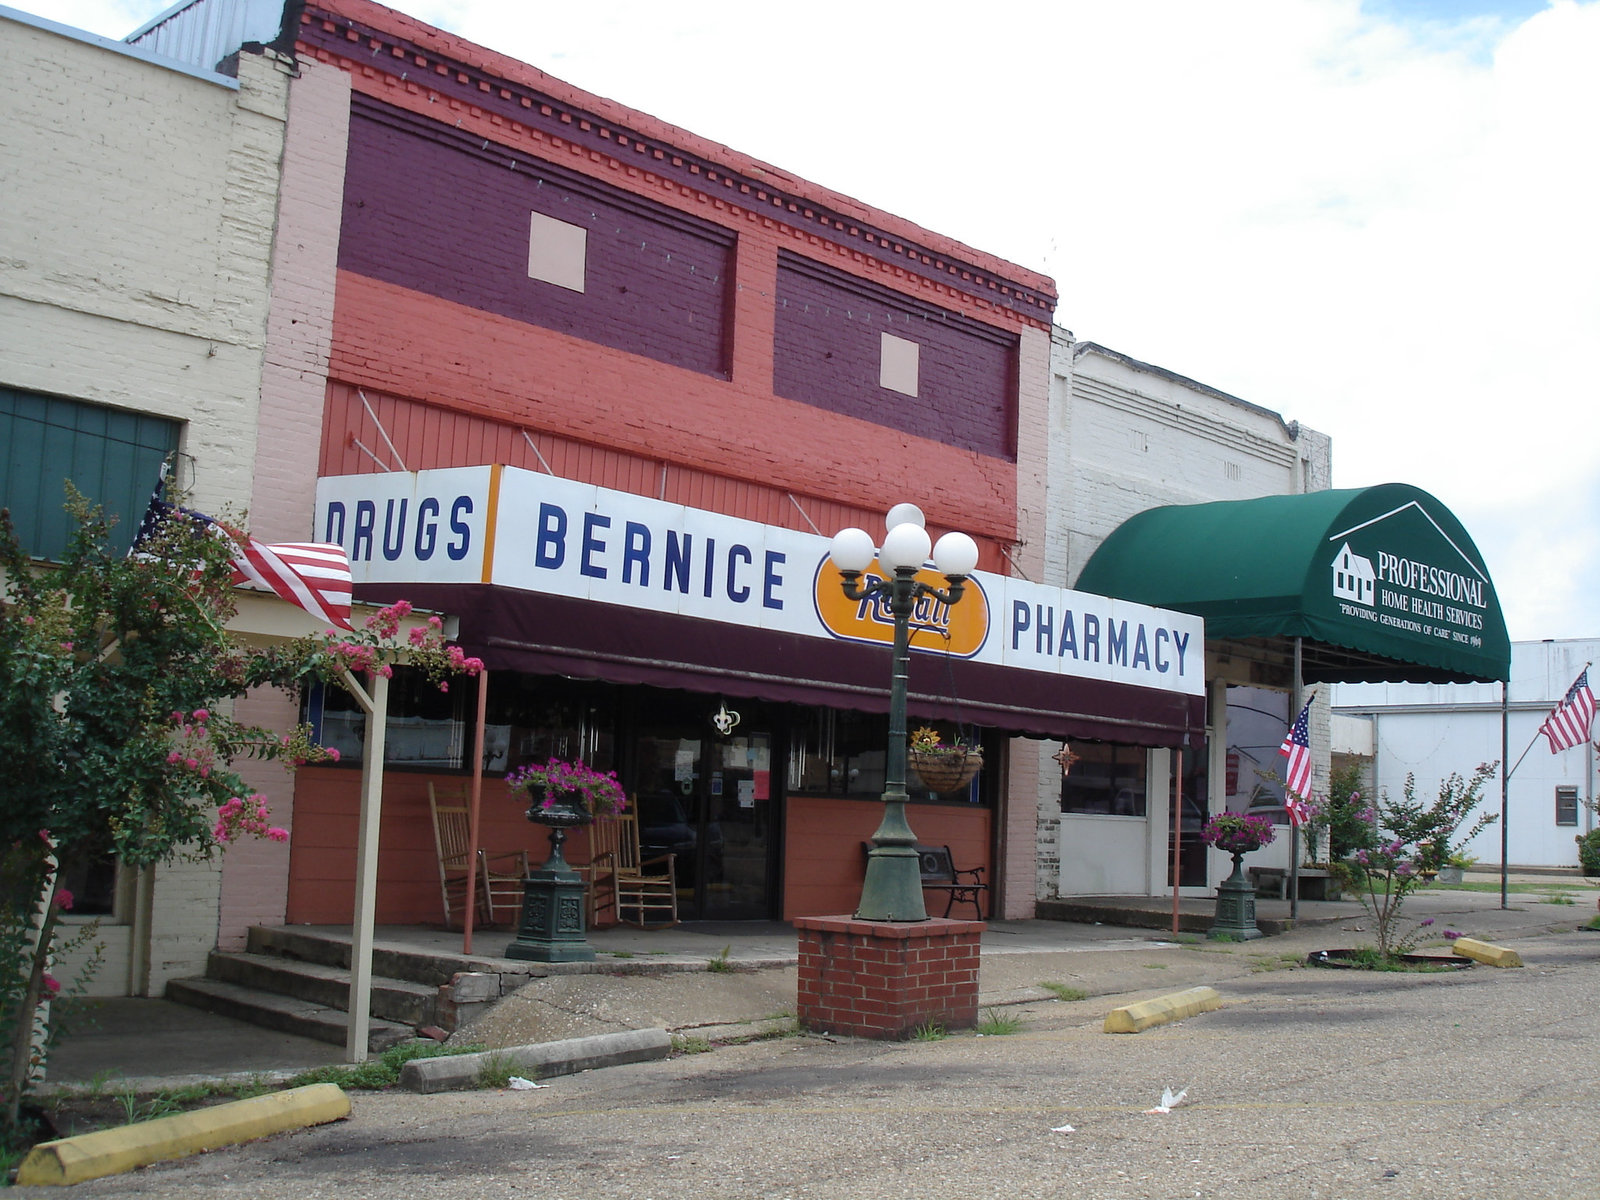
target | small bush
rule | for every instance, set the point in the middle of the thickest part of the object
(1589, 851)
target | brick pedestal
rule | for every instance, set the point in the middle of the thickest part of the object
(885, 979)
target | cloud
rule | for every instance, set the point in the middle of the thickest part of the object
(1377, 219)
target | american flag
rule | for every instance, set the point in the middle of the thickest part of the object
(314, 576)
(1568, 725)
(1297, 749)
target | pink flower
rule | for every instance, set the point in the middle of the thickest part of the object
(174, 757)
(52, 985)
(333, 753)
(277, 834)
(65, 899)
(201, 714)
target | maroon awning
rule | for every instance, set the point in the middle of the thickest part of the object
(556, 635)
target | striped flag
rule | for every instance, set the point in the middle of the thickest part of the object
(1568, 725)
(314, 576)
(1297, 749)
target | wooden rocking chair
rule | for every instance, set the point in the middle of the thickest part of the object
(500, 875)
(641, 893)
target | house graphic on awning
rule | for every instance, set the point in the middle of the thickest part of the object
(1353, 576)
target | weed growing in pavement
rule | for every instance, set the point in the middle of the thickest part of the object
(683, 1043)
(930, 1031)
(998, 1024)
(1557, 898)
(378, 1073)
(719, 961)
(497, 1069)
(1154, 966)
(1064, 991)
(1260, 963)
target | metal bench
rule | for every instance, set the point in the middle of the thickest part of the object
(962, 885)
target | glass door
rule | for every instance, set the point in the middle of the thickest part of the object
(738, 832)
(708, 800)
(1193, 854)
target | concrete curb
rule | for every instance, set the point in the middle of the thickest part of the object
(1135, 1018)
(111, 1151)
(568, 1057)
(1487, 952)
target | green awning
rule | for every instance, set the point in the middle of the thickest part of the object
(1382, 583)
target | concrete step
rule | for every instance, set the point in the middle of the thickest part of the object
(329, 986)
(286, 1014)
(432, 968)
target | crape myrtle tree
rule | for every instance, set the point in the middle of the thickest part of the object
(116, 678)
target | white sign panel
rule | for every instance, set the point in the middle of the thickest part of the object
(536, 532)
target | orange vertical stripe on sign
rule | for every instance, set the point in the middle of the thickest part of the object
(491, 520)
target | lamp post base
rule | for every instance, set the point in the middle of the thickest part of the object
(1236, 907)
(886, 980)
(552, 926)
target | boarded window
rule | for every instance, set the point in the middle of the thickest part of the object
(111, 456)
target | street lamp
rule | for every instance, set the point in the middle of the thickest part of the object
(893, 887)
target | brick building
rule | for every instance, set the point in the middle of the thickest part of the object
(138, 243)
(617, 323)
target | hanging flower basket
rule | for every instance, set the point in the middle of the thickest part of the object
(945, 770)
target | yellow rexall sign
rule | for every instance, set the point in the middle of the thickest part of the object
(966, 623)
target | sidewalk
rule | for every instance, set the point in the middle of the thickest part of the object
(669, 985)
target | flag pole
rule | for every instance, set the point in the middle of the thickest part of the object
(1294, 828)
(1505, 792)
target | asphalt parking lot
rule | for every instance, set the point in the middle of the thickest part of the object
(1307, 1083)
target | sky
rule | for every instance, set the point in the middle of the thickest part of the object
(1379, 218)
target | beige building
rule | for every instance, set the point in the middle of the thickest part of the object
(136, 236)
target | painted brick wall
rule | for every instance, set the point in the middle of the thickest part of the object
(138, 245)
(827, 353)
(396, 340)
(463, 360)
(434, 212)
(300, 316)
(137, 240)
(1140, 437)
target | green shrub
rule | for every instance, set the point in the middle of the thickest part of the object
(1589, 851)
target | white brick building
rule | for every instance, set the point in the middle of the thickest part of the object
(1126, 436)
(136, 237)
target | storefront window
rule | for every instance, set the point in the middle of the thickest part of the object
(842, 753)
(527, 719)
(1106, 779)
(532, 718)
